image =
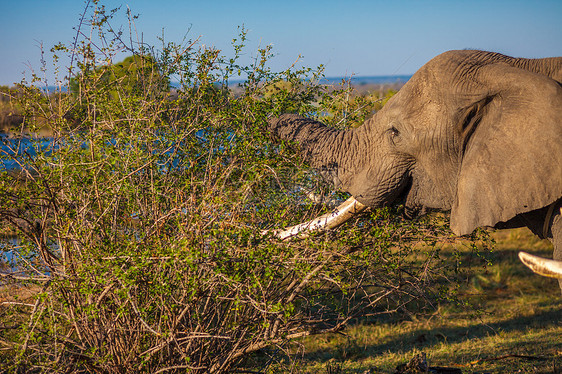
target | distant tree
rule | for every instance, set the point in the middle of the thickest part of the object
(133, 75)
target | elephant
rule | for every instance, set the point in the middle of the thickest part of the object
(472, 132)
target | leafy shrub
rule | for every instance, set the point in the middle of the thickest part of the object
(143, 219)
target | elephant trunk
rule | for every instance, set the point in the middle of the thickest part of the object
(334, 154)
(325, 148)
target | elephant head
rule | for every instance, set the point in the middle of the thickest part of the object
(477, 133)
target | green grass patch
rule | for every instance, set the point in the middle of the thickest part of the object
(512, 322)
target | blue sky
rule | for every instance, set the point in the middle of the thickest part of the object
(363, 38)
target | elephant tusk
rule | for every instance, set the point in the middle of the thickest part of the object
(327, 221)
(542, 266)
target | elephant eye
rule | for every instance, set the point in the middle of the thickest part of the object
(394, 135)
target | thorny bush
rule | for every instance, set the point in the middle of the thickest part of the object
(140, 222)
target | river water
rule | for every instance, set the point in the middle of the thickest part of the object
(16, 152)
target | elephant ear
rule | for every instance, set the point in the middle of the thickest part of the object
(512, 156)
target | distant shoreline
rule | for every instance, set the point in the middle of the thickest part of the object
(362, 85)
(383, 80)
(375, 79)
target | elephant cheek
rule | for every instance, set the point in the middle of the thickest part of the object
(376, 189)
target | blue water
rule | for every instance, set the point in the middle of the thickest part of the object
(18, 152)
(375, 79)
(7, 248)
(379, 79)
(359, 80)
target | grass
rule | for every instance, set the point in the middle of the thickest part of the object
(517, 326)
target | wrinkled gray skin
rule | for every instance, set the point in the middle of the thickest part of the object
(473, 132)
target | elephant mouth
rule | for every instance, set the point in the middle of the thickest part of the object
(406, 197)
